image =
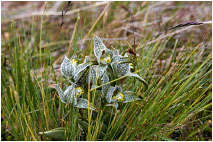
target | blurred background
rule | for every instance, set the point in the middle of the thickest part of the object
(149, 18)
(120, 22)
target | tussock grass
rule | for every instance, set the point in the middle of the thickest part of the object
(178, 68)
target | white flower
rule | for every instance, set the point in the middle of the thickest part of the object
(72, 95)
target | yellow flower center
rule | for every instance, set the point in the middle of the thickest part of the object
(131, 65)
(108, 59)
(74, 61)
(119, 97)
(79, 91)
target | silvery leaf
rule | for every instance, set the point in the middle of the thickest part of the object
(123, 68)
(91, 75)
(80, 71)
(70, 94)
(116, 106)
(105, 79)
(114, 63)
(119, 66)
(87, 59)
(83, 103)
(115, 59)
(110, 93)
(119, 88)
(62, 95)
(99, 47)
(139, 78)
(66, 68)
(129, 97)
(113, 100)
(115, 52)
(82, 67)
(97, 71)
(101, 70)
(125, 55)
(79, 78)
(108, 51)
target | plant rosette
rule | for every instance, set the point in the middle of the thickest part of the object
(97, 73)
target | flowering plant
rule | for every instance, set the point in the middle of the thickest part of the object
(109, 65)
(102, 74)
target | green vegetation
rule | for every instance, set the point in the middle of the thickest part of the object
(176, 64)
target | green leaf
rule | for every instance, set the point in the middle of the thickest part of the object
(84, 124)
(56, 134)
(115, 104)
(166, 139)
